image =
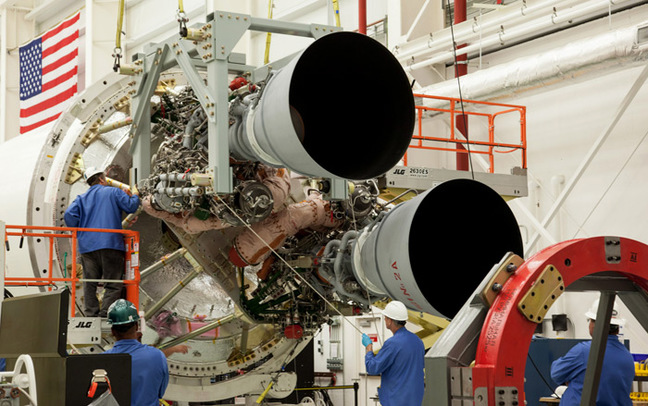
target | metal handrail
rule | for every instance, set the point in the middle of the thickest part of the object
(458, 107)
(131, 240)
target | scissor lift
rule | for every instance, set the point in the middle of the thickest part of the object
(486, 146)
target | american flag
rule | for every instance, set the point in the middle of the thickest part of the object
(48, 74)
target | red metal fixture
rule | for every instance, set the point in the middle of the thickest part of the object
(506, 336)
(294, 332)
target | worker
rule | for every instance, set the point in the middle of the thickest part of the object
(149, 370)
(617, 373)
(399, 361)
(102, 254)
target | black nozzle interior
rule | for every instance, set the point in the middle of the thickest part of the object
(460, 230)
(355, 105)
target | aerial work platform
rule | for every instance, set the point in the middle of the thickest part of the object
(494, 153)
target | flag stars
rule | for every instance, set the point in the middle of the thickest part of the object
(30, 69)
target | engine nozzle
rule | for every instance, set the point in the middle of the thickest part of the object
(342, 108)
(431, 251)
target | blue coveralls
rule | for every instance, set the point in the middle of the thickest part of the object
(102, 254)
(100, 207)
(616, 377)
(149, 372)
(400, 362)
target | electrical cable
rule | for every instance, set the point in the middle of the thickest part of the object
(542, 376)
(373, 318)
(461, 101)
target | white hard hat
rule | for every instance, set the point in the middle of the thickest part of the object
(615, 319)
(396, 310)
(90, 172)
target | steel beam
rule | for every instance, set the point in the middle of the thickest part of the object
(590, 156)
(597, 350)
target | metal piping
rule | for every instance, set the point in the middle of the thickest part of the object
(167, 259)
(174, 291)
(605, 51)
(467, 32)
(507, 32)
(461, 69)
(198, 332)
(337, 264)
(362, 17)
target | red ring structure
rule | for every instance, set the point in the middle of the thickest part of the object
(506, 336)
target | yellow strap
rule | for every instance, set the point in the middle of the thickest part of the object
(336, 12)
(265, 392)
(266, 57)
(120, 22)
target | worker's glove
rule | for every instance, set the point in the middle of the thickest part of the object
(366, 340)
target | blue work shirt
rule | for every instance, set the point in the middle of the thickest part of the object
(149, 371)
(616, 376)
(401, 365)
(100, 207)
(3, 364)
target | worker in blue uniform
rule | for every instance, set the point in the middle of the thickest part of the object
(617, 374)
(149, 370)
(102, 254)
(400, 361)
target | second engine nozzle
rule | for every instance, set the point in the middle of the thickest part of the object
(432, 251)
(342, 108)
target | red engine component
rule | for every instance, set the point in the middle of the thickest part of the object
(294, 331)
(237, 83)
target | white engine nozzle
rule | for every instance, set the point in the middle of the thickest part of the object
(342, 108)
(442, 242)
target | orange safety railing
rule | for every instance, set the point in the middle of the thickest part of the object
(482, 147)
(131, 242)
